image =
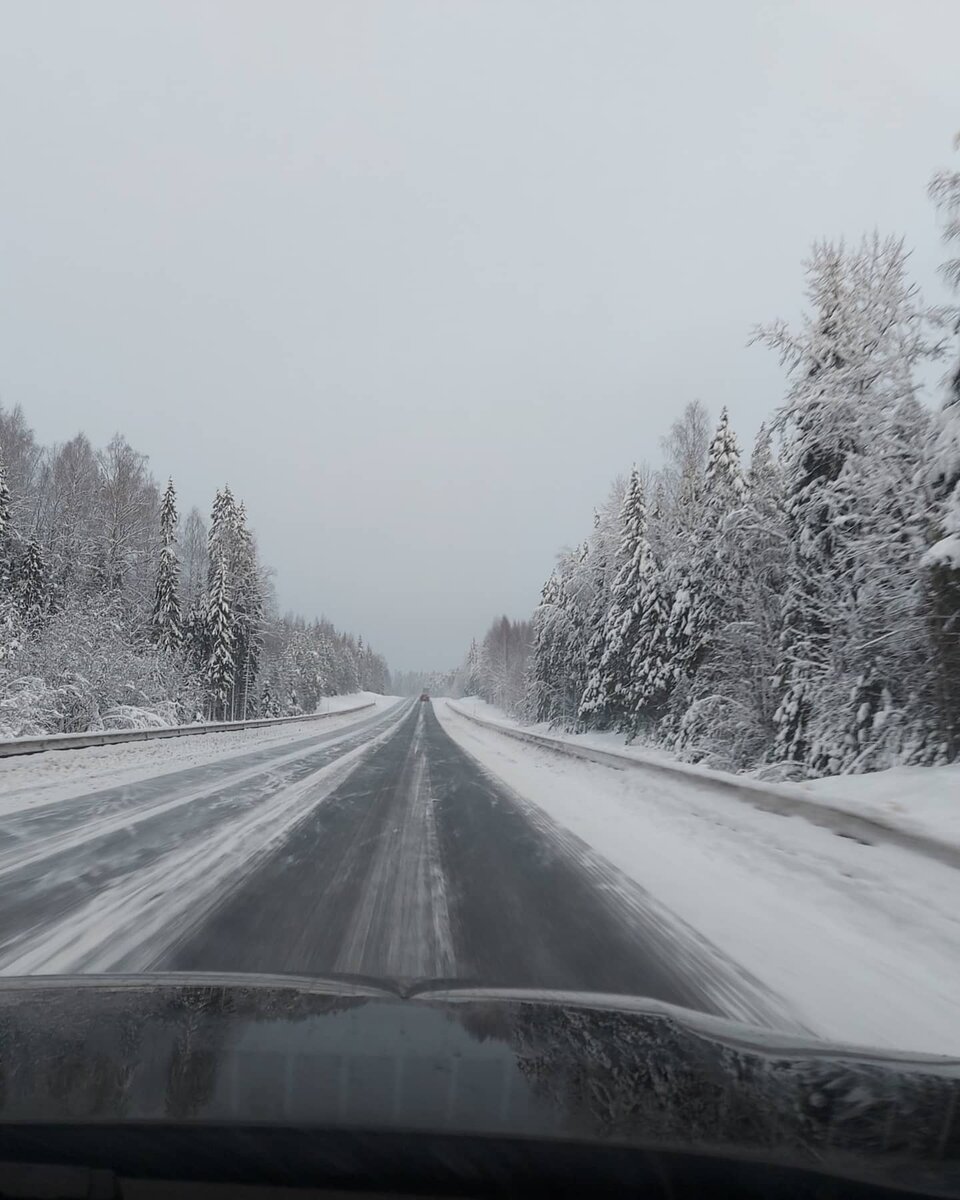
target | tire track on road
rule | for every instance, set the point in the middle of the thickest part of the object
(51, 895)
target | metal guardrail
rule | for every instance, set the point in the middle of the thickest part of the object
(780, 798)
(109, 737)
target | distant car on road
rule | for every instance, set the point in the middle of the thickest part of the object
(424, 697)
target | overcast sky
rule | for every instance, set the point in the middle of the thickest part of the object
(419, 277)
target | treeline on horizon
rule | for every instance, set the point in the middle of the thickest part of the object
(115, 614)
(799, 611)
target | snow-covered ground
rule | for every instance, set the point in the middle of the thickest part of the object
(923, 800)
(615, 743)
(33, 780)
(862, 943)
(914, 800)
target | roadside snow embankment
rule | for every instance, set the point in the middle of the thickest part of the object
(56, 775)
(862, 942)
(924, 801)
(914, 807)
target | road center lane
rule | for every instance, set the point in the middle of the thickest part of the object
(422, 865)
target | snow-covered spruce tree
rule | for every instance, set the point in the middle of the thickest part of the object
(942, 478)
(730, 702)
(851, 366)
(757, 544)
(558, 666)
(467, 678)
(649, 664)
(10, 619)
(167, 621)
(889, 715)
(674, 538)
(268, 705)
(579, 580)
(323, 642)
(609, 694)
(220, 664)
(725, 486)
(603, 563)
(209, 628)
(709, 580)
(704, 604)
(541, 702)
(223, 524)
(31, 585)
(247, 615)
(6, 529)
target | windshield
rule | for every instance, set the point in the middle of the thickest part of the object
(480, 503)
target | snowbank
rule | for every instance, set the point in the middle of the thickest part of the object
(861, 943)
(614, 743)
(921, 800)
(917, 801)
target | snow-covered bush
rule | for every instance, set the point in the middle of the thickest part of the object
(86, 669)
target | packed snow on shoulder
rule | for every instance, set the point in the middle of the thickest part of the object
(920, 800)
(608, 739)
(859, 942)
(923, 801)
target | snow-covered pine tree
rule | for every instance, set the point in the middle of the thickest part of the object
(247, 614)
(604, 541)
(704, 592)
(541, 703)
(31, 585)
(468, 678)
(223, 523)
(324, 647)
(649, 663)
(609, 694)
(851, 366)
(577, 600)
(679, 498)
(725, 486)
(198, 639)
(167, 620)
(888, 716)
(730, 700)
(268, 705)
(7, 604)
(10, 620)
(595, 615)
(758, 553)
(220, 664)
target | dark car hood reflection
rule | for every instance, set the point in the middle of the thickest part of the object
(364, 1054)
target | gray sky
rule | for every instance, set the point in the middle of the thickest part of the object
(419, 277)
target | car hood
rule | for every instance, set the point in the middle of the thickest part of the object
(432, 1056)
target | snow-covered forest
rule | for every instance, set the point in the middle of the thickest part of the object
(798, 604)
(114, 613)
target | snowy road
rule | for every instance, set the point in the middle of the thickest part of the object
(421, 865)
(97, 881)
(385, 848)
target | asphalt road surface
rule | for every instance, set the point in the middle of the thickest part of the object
(421, 865)
(58, 857)
(408, 861)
